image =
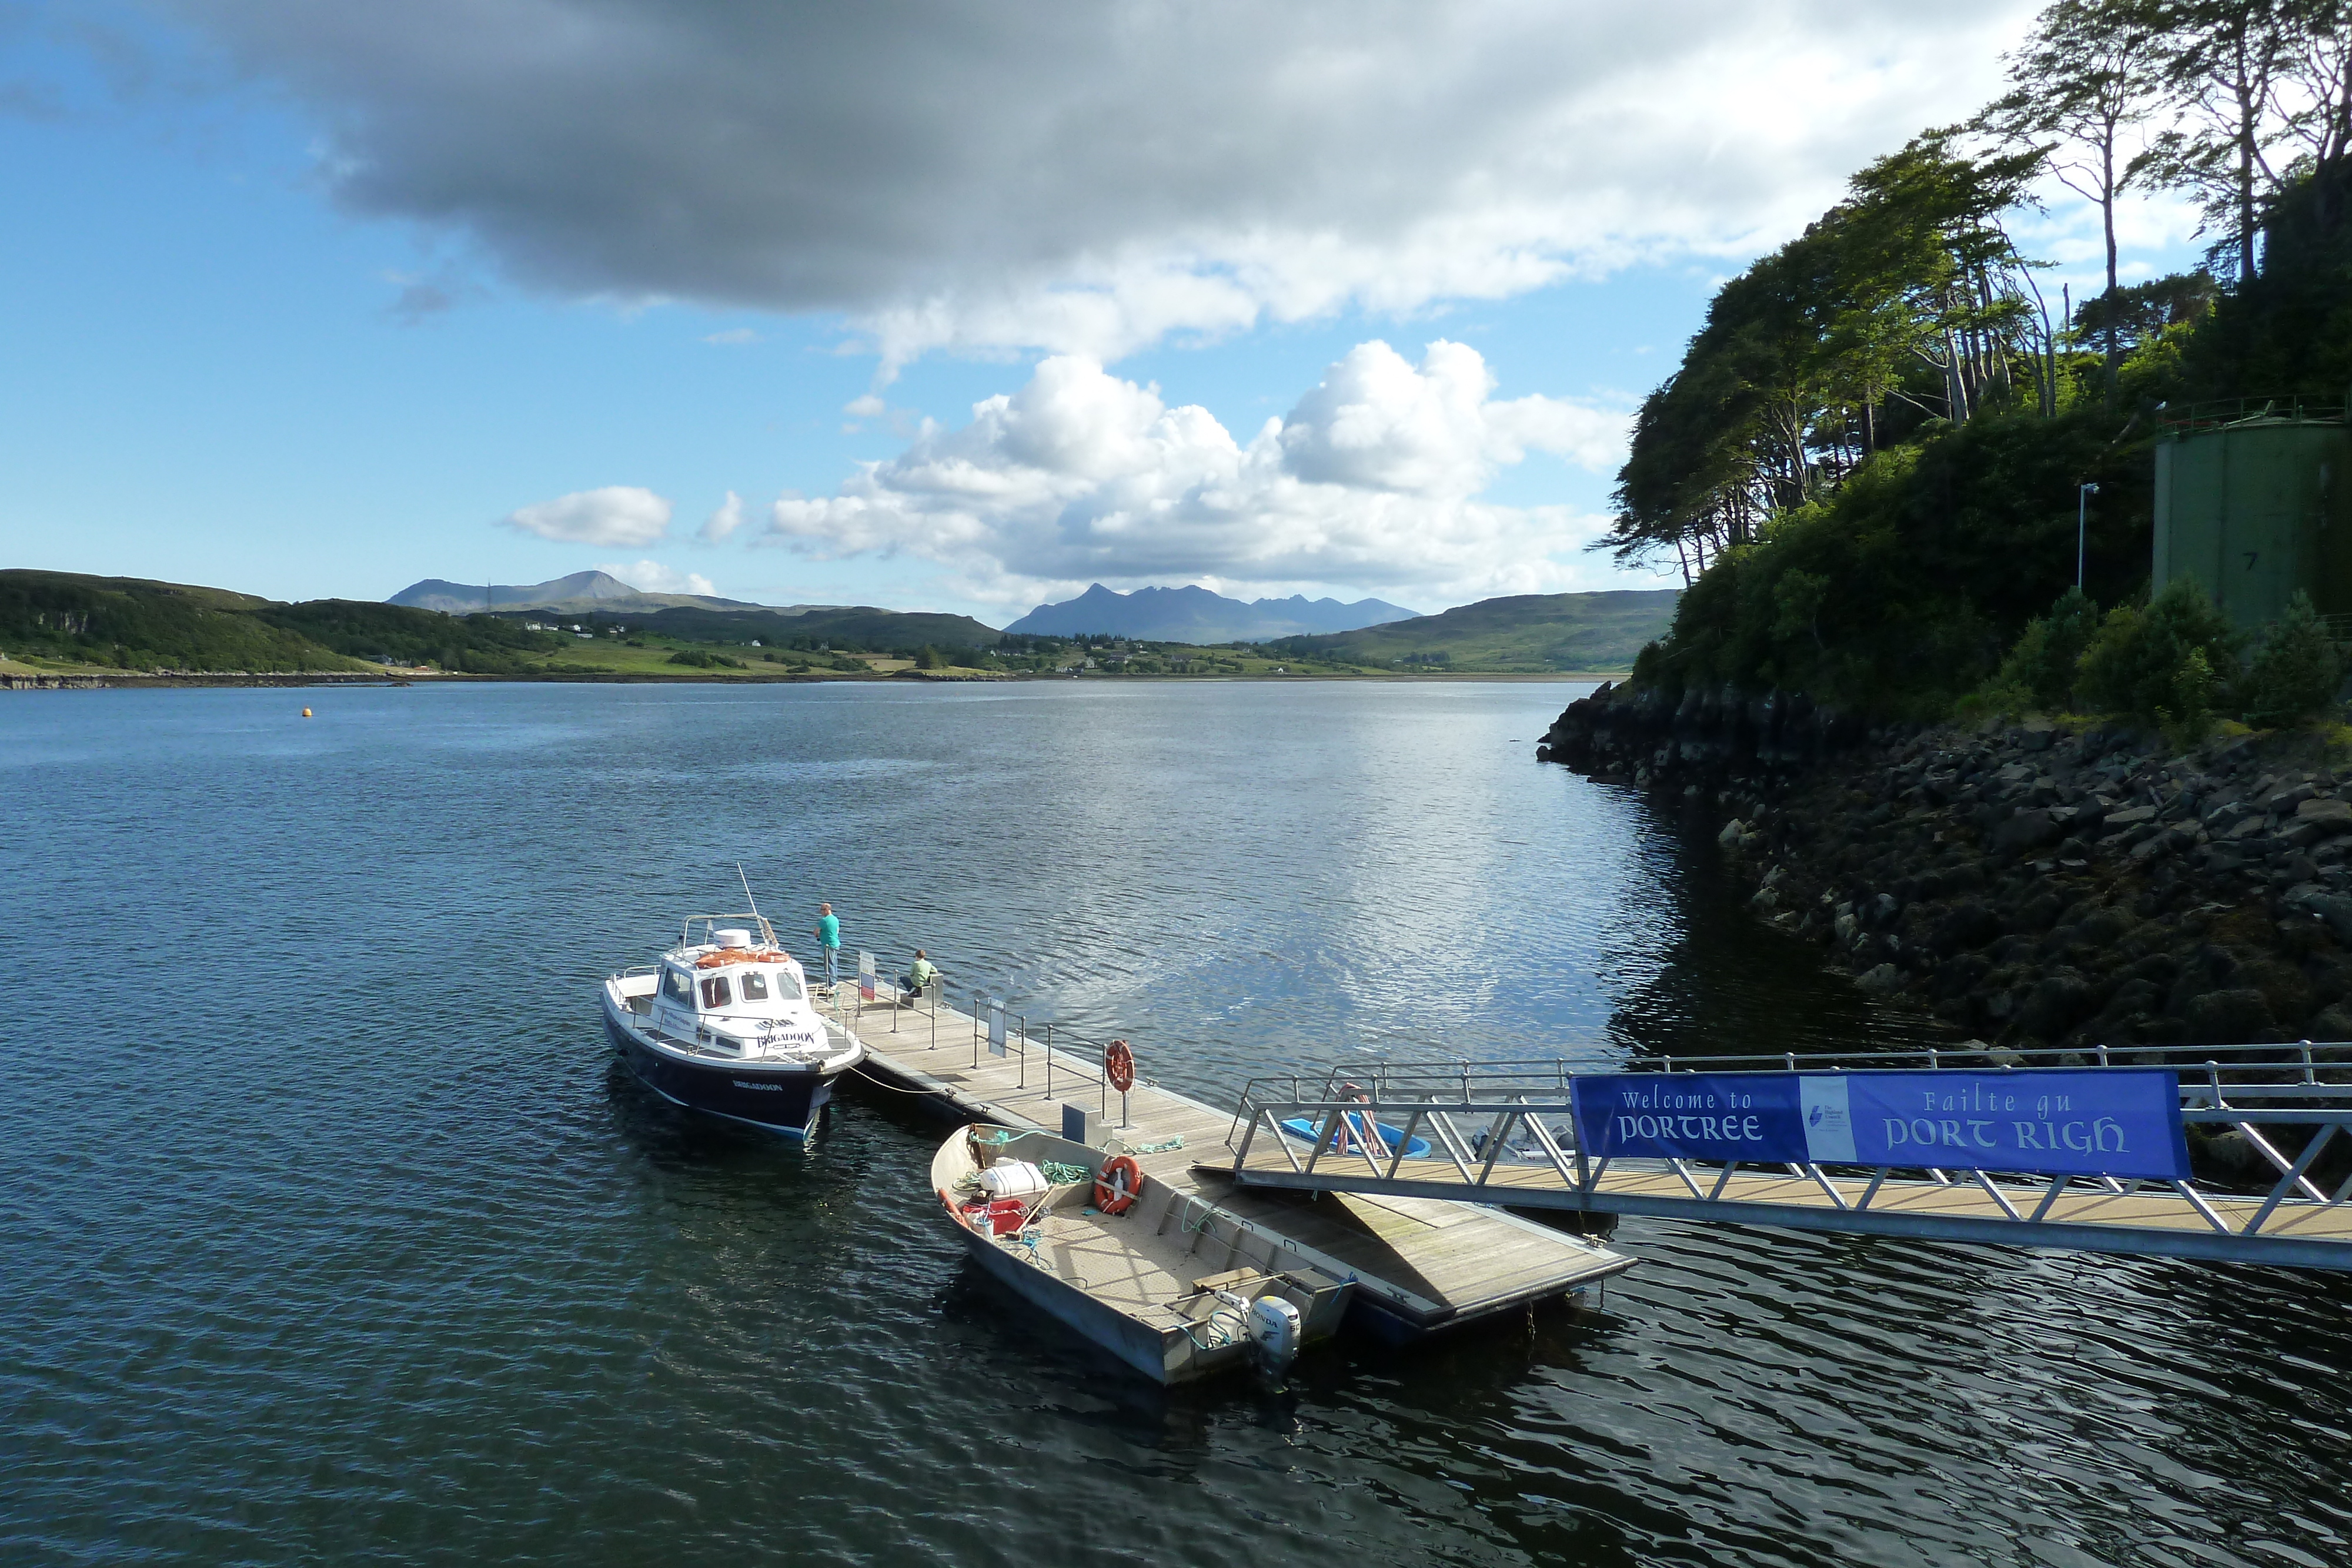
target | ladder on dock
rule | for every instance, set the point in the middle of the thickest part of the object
(1504, 1133)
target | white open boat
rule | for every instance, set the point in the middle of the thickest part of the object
(724, 1024)
(1169, 1285)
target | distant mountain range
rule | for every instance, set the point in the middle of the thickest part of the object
(582, 592)
(1197, 616)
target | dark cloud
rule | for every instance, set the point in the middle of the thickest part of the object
(1093, 176)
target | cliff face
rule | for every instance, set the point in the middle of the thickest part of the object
(2028, 884)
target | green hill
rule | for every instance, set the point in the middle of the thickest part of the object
(856, 626)
(1524, 633)
(132, 624)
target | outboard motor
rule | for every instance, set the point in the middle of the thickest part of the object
(1275, 1329)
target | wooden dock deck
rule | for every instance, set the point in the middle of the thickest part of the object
(1420, 1265)
(2151, 1220)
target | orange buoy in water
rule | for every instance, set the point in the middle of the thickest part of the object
(306, 713)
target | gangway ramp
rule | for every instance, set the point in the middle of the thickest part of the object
(1508, 1133)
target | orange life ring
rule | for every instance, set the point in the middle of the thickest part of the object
(1118, 1065)
(727, 956)
(1118, 1186)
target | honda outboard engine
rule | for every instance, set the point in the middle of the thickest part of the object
(1275, 1329)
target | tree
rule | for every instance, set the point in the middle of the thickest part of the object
(1909, 293)
(2295, 674)
(2224, 62)
(2085, 76)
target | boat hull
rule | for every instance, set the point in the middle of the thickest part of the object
(1110, 1330)
(782, 1099)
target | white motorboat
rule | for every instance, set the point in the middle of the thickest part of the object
(723, 1024)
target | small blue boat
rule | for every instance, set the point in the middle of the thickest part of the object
(1301, 1128)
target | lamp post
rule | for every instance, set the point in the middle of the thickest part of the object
(2082, 529)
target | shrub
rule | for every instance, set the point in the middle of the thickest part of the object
(2039, 670)
(2295, 676)
(2140, 662)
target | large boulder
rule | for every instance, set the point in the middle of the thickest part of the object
(2034, 829)
(2232, 1017)
(2056, 1005)
(1965, 926)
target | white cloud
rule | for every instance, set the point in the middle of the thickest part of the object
(1091, 179)
(725, 520)
(867, 407)
(1371, 482)
(653, 576)
(731, 337)
(620, 514)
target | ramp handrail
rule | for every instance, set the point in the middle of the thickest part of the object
(1503, 1132)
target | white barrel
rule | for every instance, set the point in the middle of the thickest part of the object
(1013, 1178)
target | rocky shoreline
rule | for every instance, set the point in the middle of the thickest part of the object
(2031, 886)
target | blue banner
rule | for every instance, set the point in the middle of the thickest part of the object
(2055, 1122)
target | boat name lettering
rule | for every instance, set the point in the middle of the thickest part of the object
(771, 1088)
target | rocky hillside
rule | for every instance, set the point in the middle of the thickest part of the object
(2027, 885)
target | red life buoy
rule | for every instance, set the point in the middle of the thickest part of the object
(1118, 1065)
(1118, 1186)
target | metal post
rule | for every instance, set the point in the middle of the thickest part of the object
(2081, 530)
(1049, 1061)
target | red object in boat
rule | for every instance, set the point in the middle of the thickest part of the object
(1005, 1214)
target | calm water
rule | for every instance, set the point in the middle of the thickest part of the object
(328, 1233)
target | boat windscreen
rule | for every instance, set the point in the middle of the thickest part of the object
(755, 985)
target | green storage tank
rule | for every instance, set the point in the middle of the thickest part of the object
(2251, 501)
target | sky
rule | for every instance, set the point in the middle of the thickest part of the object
(925, 305)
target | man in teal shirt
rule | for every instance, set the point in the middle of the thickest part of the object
(828, 936)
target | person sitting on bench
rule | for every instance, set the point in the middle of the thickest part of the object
(911, 984)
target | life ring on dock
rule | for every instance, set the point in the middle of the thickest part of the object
(1118, 1065)
(1120, 1184)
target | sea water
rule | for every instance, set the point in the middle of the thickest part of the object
(329, 1232)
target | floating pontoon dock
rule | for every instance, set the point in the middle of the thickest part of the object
(1419, 1265)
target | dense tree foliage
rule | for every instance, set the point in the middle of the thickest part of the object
(476, 644)
(1868, 464)
(133, 624)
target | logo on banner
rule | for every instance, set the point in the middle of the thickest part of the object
(2045, 1122)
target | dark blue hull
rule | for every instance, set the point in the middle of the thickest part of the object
(782, 1100)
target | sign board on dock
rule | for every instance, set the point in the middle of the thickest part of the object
(2118, 1122)
(995, 1010)
(865, 980)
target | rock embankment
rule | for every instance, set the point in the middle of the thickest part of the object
(2029, 884)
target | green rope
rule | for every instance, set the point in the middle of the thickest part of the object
(1160, 1148)
(1061, 1175)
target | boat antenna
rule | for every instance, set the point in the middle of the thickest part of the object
(747, 893)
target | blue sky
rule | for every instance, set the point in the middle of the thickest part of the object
(217, 369)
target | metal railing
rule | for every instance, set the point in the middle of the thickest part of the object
(848, 1001)
(1504, 1133)
(2221, 412)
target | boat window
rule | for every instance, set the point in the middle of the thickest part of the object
(714, 992)
(787, 989)
(755, 985)
(677, 988)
